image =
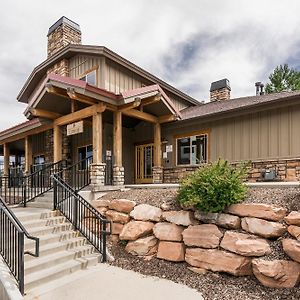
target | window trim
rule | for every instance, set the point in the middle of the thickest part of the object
(189, 135)
(96, 68)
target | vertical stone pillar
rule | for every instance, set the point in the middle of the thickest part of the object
(97, 175)
(118, 169)
(28, 154)
(157, 170)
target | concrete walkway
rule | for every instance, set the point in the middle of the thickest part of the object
(108, 282)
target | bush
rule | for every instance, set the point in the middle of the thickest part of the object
(213, 187)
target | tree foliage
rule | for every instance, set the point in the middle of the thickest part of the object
(282, 79)
(213, 187)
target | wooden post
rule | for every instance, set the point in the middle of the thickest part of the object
(6, 155)
(97, 138)
(157, 145)
(57, 143)
(118, 138)
(28, 153)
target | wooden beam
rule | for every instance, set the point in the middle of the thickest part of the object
(80, 114)
(151, 100)
(157, 145)
(81, 98)
(41, 113)
(167, 118)
(28, 154)
(134, 104)
(141, 115)
(57, 144)
(117, 138)
(6, 154)
(74, 106)
(97, 138)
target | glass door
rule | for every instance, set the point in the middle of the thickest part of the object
(143, 163)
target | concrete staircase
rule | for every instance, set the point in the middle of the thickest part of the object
(62, 250)
(43, 201)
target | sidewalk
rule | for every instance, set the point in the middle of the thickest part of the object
(109, 282)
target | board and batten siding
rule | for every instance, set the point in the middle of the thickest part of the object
(272, 134)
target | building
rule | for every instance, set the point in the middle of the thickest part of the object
(85, 101)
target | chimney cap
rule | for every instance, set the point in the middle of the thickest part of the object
(64, 20)
(220, 84)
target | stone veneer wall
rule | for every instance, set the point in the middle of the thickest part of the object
(60, 68)
(236, 242)
(286, 169)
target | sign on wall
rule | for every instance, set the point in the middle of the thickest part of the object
(169, 148)
(75, 128)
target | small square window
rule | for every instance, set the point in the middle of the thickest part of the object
(90, 78)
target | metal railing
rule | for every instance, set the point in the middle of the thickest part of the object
(84, 217)
(12, 248)
(78, 175)
(22, 189)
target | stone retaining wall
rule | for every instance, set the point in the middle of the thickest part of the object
(238, 242)
(286, 170)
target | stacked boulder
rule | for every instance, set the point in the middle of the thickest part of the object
(234, 242)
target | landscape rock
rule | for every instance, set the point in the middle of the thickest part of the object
(168, 232)
(258, 210)
(116, 216)
(218, 261)
(205, 236)
(276, 273)
(117, 228)
(198, 270)
(294, 231)
(181, 217)
(146, 212)
(143, 247)
(100, 203)
(245, 244)
(122, 205)
(223, 220)
(292, 248)
(263, 228)
(135, 229)
(171, 251)
(293, 218)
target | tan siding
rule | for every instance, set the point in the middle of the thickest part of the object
(294, 129)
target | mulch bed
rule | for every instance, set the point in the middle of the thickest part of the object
(211, 285)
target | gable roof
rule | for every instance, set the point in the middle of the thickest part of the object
(70, 50)
(237, 104)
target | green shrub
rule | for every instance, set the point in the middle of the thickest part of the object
(213, 187)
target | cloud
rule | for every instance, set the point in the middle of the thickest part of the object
(189, 43)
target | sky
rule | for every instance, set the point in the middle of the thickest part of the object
(188, 43)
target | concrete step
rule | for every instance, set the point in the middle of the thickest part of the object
(37, 204)
(51, 238)
(52, 221)
(37, 278)
(29, 214)
(48, 261)
(59, 246)
(58, 228)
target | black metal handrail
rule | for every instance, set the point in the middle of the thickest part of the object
(84, 217)
(24, 188)
(12, 247)
(77, 175)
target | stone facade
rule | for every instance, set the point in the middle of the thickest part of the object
(62, 36)
(49, 146)
(158, 174)
(60, 68)
(97, 175)
(118, 175)
(219, 95)
(285, 170)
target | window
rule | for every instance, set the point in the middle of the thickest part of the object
(90, 78)
(192, 150)
(83, 153)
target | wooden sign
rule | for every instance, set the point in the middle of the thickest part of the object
(75, 128)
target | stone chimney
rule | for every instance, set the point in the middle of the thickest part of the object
(220, 90)
(62, 33)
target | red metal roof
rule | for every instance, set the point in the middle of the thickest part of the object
(20, 126)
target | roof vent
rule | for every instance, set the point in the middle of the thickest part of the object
(259, 88)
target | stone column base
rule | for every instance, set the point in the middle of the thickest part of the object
(158, 174)
(118, 175)
(97, 175)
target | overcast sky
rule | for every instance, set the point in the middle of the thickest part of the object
(188, 43)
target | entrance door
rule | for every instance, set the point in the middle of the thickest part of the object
(143, 163)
